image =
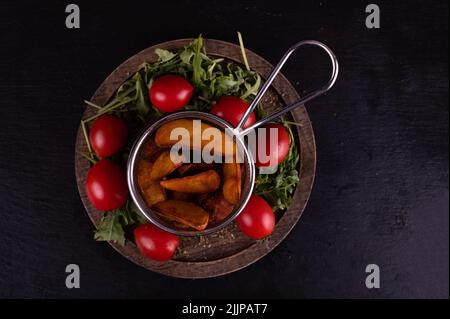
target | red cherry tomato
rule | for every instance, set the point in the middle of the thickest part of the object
(155, 243)
(257, 220)
(170, 93)
(106, 185)
(108, 134)
(231, 109)
(277, 153)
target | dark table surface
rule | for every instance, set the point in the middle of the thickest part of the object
(381, 193)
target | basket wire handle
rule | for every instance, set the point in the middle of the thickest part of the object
(335, 70)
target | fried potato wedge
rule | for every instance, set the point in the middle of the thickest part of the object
(182, 212)
(163, 166)
(219, 207)
(205, 182)
(151, 190)
(232, 182)
(144, 169)
(162, 137)
(150, 151)
(154, 193)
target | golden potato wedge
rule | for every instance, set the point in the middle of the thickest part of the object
(162, 137)
(232, 182)
(150, 151)
(219, 207)
(182, 212)
(153, 193)
(144, 169)
(151, 189)
(205, 182)
(163, 166)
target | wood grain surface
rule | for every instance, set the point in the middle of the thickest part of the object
(227, 250)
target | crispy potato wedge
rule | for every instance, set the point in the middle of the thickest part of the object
(144, 169)
(162, 137)
(182, 212)
(232, 182)
(150, 151)
(151, 189)
(154, 193)
(219, 207)
(205, 182)
(163, 166)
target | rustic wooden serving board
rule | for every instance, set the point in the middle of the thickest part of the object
(227, 250)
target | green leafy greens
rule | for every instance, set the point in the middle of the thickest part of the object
(112, 224)
(211, 78)
(278, 188)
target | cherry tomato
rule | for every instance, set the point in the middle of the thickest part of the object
(106, 185)
(279, 151)
(108, 134)
(170, 93)
(257, 220)
(231, 109)
(155, 243)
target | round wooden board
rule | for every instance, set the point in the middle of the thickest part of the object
(227, 250)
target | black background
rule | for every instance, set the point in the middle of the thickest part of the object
(381, 193)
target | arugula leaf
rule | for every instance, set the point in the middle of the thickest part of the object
(112, 224)
(226, 85)
(111, 227)
(198, 71)
(252, 89)
(141, 95)
(164, 55)
(186, 56)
